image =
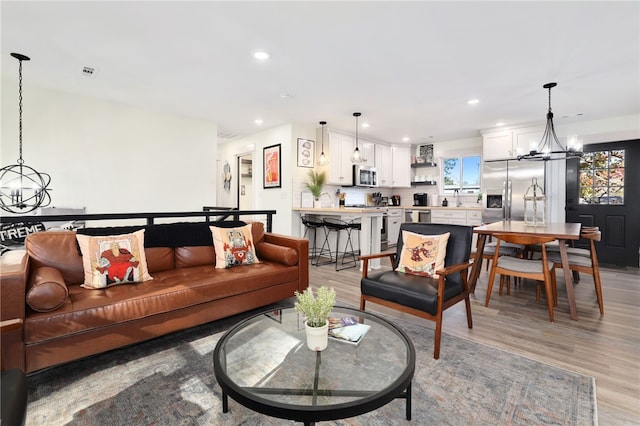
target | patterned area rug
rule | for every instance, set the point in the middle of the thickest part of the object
(170, 381)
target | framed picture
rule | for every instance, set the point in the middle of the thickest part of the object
(272, 166)
(306, 152)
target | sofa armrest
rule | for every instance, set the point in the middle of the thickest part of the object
(14, 272)
(280, 254)
(301, 246)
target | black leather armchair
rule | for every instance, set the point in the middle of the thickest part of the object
(417, 295)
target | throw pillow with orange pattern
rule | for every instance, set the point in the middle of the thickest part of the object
(422, 254)
(113, 259)
(234, 246)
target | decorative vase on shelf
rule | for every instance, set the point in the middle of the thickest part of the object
(317, 203)
(317, 337)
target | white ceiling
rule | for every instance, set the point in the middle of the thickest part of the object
(409, 67)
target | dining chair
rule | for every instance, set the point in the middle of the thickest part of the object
(537, 269)
(584, 260)
(424, 294)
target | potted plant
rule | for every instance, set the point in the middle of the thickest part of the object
(315, 185)
(316, 309)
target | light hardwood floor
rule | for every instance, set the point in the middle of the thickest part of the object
(606, 347)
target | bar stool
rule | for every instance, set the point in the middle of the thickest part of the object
(312, 224)
(337, 226)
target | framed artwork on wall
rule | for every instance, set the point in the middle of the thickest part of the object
(306, 152)
(272, 166)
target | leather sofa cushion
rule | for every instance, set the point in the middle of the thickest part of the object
(275, 253)
(58, 249)
(46, 290)
(195, 256)
(168, 291)
(160, 259)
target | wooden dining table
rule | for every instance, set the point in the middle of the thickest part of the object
(560, 231)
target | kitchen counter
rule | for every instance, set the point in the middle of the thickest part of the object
(369, 217)
(441, 208)
(342, 210)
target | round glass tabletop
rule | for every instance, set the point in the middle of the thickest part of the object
(264, 364)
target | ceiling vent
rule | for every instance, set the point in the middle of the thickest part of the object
(223, 135)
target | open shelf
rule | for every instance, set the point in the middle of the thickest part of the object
(414, 165)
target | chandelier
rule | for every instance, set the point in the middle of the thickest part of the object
(22, 188)
(356, 157)
(550, 147)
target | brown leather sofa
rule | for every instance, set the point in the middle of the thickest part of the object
(186, 290)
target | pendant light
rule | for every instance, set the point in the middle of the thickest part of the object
(550, 147)
(22, 188)
(356, 157)
(322, 160)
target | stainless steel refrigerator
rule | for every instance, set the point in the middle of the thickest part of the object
(505, 183)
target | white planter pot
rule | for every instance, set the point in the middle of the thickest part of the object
(317, 204)
(317, 337)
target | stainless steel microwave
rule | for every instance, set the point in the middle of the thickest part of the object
(365, 176)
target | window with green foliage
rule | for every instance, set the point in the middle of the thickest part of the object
(462, 173)
(602, 177)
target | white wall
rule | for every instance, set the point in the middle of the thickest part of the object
(280, 199)
(109, 157)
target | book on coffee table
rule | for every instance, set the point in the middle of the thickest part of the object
(347, 329)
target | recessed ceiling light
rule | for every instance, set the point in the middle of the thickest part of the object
(500, 124)
(261, 55)
(406, 139)
(473, 101)
(258, 121)
(285, 95)
(365, 124)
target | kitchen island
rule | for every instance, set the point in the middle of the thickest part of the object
(369, 217)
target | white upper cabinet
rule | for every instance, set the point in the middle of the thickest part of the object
(340, 149)
(383, 165)
(526, 139)
(367, 151)
(497, 145)
(509, 143)
(401, 166)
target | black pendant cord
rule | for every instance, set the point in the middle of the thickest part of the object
(20, 160)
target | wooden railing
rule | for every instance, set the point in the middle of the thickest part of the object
(218, 213)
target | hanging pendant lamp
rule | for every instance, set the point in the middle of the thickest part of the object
(550, 147)
(322, 159)
(22, 188)
(356, 157)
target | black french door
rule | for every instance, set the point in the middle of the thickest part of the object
(603, 189)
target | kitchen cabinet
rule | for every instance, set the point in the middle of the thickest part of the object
(340, 167)
(452, 217)
(394, 220)
(367, 151)
(458, 217)
(400, 173)
(509, 143)
(497, 145)
(383, 165)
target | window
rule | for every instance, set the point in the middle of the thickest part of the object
(602, 177)
(462, 173)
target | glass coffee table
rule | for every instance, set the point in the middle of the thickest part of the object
(264, 364)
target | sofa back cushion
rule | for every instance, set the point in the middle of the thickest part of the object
(58, 249)
(160, 259)
(195, 256)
